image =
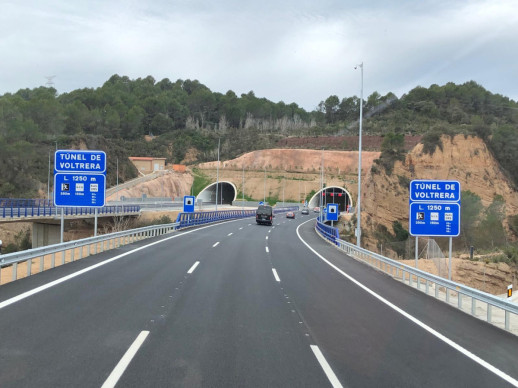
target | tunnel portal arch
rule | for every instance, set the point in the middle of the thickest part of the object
(332, 194)
(227, 193)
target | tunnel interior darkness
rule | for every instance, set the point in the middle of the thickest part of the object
(332, 194)
(226, 193)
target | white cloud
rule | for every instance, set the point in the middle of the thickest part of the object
(295, 51)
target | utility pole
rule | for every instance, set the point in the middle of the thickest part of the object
(359, 229)
(264, 188)
(217, 177)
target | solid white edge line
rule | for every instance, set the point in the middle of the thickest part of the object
(215, 245)
(275, 275)
(230, 234)
(325, 366)
(267, 250)
(191, 270)
(119, 369)
(36, 290)
(423, 325)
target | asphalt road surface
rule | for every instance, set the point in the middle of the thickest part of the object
(239, 305)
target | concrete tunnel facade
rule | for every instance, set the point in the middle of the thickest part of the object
(227, 192)
(332, 194)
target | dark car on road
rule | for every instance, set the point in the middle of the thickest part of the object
(264, 215)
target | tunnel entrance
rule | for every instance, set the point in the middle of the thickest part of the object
(227, 193)
(332, 194)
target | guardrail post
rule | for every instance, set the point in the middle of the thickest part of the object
(15, 271)
(42, 258)
(53, 260)
(72, 252)
(459, 300)
(473, 306)
(507, 320)
(427, 287)
(29, 265)
(80, 252)
(489, 308)
(447, 295)
(436, 291)
(63, 254)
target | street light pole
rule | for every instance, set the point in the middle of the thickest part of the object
(359, 229)
(217, 178)
(264, 188)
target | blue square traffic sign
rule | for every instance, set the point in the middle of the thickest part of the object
(188, 204)
(332, 212)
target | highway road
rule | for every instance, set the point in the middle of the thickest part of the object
(239, 305)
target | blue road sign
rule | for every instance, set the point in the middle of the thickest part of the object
(261, 203)
(433, 190)
(80, 161)
(79, 190)
(188, 204)
(434, 219)
(332, 212)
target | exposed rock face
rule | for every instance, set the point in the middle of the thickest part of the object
(465, 159)
(298, 160)
(171, 185)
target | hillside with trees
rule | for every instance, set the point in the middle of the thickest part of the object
(184, 115)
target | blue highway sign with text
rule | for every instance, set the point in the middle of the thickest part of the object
(434, 219)
(80, 161)
(79, 190)
(432, 190)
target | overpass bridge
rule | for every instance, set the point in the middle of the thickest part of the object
(46, 218)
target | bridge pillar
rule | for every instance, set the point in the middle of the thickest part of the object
(45, 234)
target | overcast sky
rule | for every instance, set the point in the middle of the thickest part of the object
(298, 51)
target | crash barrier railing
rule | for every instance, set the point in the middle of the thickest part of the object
(13, 211)
(192, 219)
(25, 202)
(199, 218)
(329, 232)
(74, 250)
(469, 300)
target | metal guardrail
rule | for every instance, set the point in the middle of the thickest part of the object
(50, 211)
(425, 281)
(11, 261)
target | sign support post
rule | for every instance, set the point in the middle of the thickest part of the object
(416, 249)
(62, 228)
(95, 222)
(449, 266)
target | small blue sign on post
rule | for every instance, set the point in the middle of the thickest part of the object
(434, 208)
(261, 203)
(332, 212)
(188, 204)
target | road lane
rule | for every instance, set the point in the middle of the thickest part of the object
(366, 342)
(233, 328)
